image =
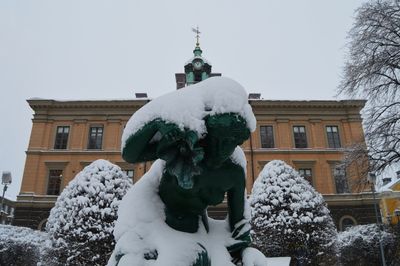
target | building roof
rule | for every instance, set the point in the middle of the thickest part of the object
(390, 185)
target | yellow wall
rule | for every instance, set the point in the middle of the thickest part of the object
(390, 202)
(113, 115)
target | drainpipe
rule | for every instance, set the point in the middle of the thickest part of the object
(252, 158)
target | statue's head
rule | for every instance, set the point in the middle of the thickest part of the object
(224, 133)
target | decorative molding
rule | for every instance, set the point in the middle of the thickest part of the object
(355, 199)
(56, 164)
(309, 104)
(296, 151)
(304, 162)
(74, 152)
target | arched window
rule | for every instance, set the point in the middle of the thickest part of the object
(42, 225)
(346, 222)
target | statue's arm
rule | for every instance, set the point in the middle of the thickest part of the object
(236, 200)
(239, 225)
(138, 147)
(142, 146)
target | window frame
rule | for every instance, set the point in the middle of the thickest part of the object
(67, 139)
(49, 177)
(128, 170)
(335, 145)
(273, 136)
(294, 137)
(346, 188)
(310, 179)
(88, 147)
(344, 217)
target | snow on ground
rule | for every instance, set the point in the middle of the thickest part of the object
(188, 106)
(14, 234)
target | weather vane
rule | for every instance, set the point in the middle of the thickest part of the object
(197, 31)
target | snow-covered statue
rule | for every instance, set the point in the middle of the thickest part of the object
(193, 134)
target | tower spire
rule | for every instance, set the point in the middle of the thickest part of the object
(197, 31)
(197, 50)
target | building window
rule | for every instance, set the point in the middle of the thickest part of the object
(332, 133)
(267, 137)
(42, 225)
(300, 137)
(61, 137)
(130, 173)
(339, 174)
(346, 222)
(95, 137)
(306, 173)
(54, 183)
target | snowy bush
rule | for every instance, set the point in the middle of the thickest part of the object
(82, 221)
(20, 245)
(359, 245)
(290, 218)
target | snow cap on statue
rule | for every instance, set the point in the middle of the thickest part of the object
(188, 106)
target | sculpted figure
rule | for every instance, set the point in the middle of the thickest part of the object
(198, 172)
(201, 164)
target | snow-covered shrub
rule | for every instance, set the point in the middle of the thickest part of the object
(82, 221)
(20, 245)
(290, 218)
(359, 245)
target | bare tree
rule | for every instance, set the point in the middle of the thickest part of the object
(372, 71)
(357, 162)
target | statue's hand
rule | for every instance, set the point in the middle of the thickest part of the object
(241, 234)
(171, 134)
(178, 149)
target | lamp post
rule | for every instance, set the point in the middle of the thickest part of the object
(5, 181)
(372, 180)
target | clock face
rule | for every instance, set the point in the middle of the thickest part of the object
(197, 65)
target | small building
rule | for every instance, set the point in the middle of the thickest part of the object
(7, 212)
(390, 200)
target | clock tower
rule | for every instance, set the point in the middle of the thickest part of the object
(197, 68)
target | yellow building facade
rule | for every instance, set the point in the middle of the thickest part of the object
(309, 135)
(390, 202)
(68, 135)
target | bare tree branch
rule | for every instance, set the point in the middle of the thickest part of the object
(372, 70)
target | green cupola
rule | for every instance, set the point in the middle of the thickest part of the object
(197, 68)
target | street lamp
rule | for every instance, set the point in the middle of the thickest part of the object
(5, 181)
(372, 180)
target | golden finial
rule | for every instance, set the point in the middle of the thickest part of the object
(197, 31)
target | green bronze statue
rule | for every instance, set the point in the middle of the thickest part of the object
(193, 136)
(198, 172)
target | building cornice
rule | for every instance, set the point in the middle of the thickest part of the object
(296, 151)
(51, 103)
(359, 104)
(74, 152)
(39, 104)
(351, 199)
(30, 199)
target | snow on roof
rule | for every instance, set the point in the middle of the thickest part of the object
(188, 106)
(388, 186)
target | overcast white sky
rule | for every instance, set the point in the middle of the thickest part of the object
(110, 49)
